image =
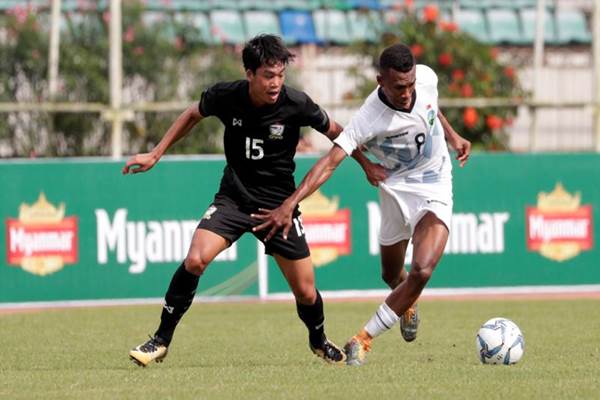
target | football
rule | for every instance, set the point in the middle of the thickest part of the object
(500, 341)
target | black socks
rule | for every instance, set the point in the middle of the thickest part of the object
(178, 299)
(181, 293)
(314, 319)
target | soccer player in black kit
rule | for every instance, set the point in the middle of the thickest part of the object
(262, 119)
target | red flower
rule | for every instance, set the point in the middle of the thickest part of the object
(445, 59)
(20, 13)
(453, 88)
(509, 72)
(410, 4)
(493, 122)
(466, 90)
(448, 26)
(129, 35)
(458, 75)
(494, 53)
(470, 117)
(417, 50)
(430, 13)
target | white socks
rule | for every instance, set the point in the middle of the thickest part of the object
(383, 319)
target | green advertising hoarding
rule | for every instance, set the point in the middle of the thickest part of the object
(131, 231)
(519, 221)
(79, 230)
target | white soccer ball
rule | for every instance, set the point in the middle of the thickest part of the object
(500, 341)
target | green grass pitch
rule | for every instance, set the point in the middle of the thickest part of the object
(259, 351)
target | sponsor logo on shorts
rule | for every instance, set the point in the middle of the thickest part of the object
(327, 229)
(209, 212)
(276, 131)
(559, 228)
(42, 240)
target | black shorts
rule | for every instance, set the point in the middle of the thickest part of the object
(225, 218)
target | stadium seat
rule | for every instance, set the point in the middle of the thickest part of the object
(479, 4)
(65, 5)
(442, 5)
(511, 4)
(157, 20)
(297, 27)
(191, 5)
(263, 5)
(307, 5)
(393, 4)
(504, 26)
(528, 17)
(472, 21)
(520, 4)
(154, 5)
(227, 27)
(337, 4)
(331, 26)
(364, 26)
(199, 22)
(571, 27)
(224, 4)
(258, 22)
(368, 4)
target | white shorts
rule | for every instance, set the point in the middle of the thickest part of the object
(401, 210)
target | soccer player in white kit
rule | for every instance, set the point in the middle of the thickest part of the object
(401, 125)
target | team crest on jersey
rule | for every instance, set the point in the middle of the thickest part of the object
(209, 212)
(276, 131)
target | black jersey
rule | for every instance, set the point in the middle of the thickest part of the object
(260, 142)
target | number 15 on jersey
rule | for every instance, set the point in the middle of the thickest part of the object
(254, 150)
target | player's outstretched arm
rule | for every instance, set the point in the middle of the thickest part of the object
(334, 130)
(142, 162)
(281, 217)
(461, 145)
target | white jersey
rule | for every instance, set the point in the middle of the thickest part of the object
(410, 144)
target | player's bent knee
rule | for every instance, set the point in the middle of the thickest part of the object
(195, 265)
(306, 295)
(421, 273)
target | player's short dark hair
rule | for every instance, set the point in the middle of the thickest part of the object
(265, 50)
(398, 57)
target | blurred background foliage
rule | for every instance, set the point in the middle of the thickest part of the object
(162, 61)
(465, 67)
(164, 58)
